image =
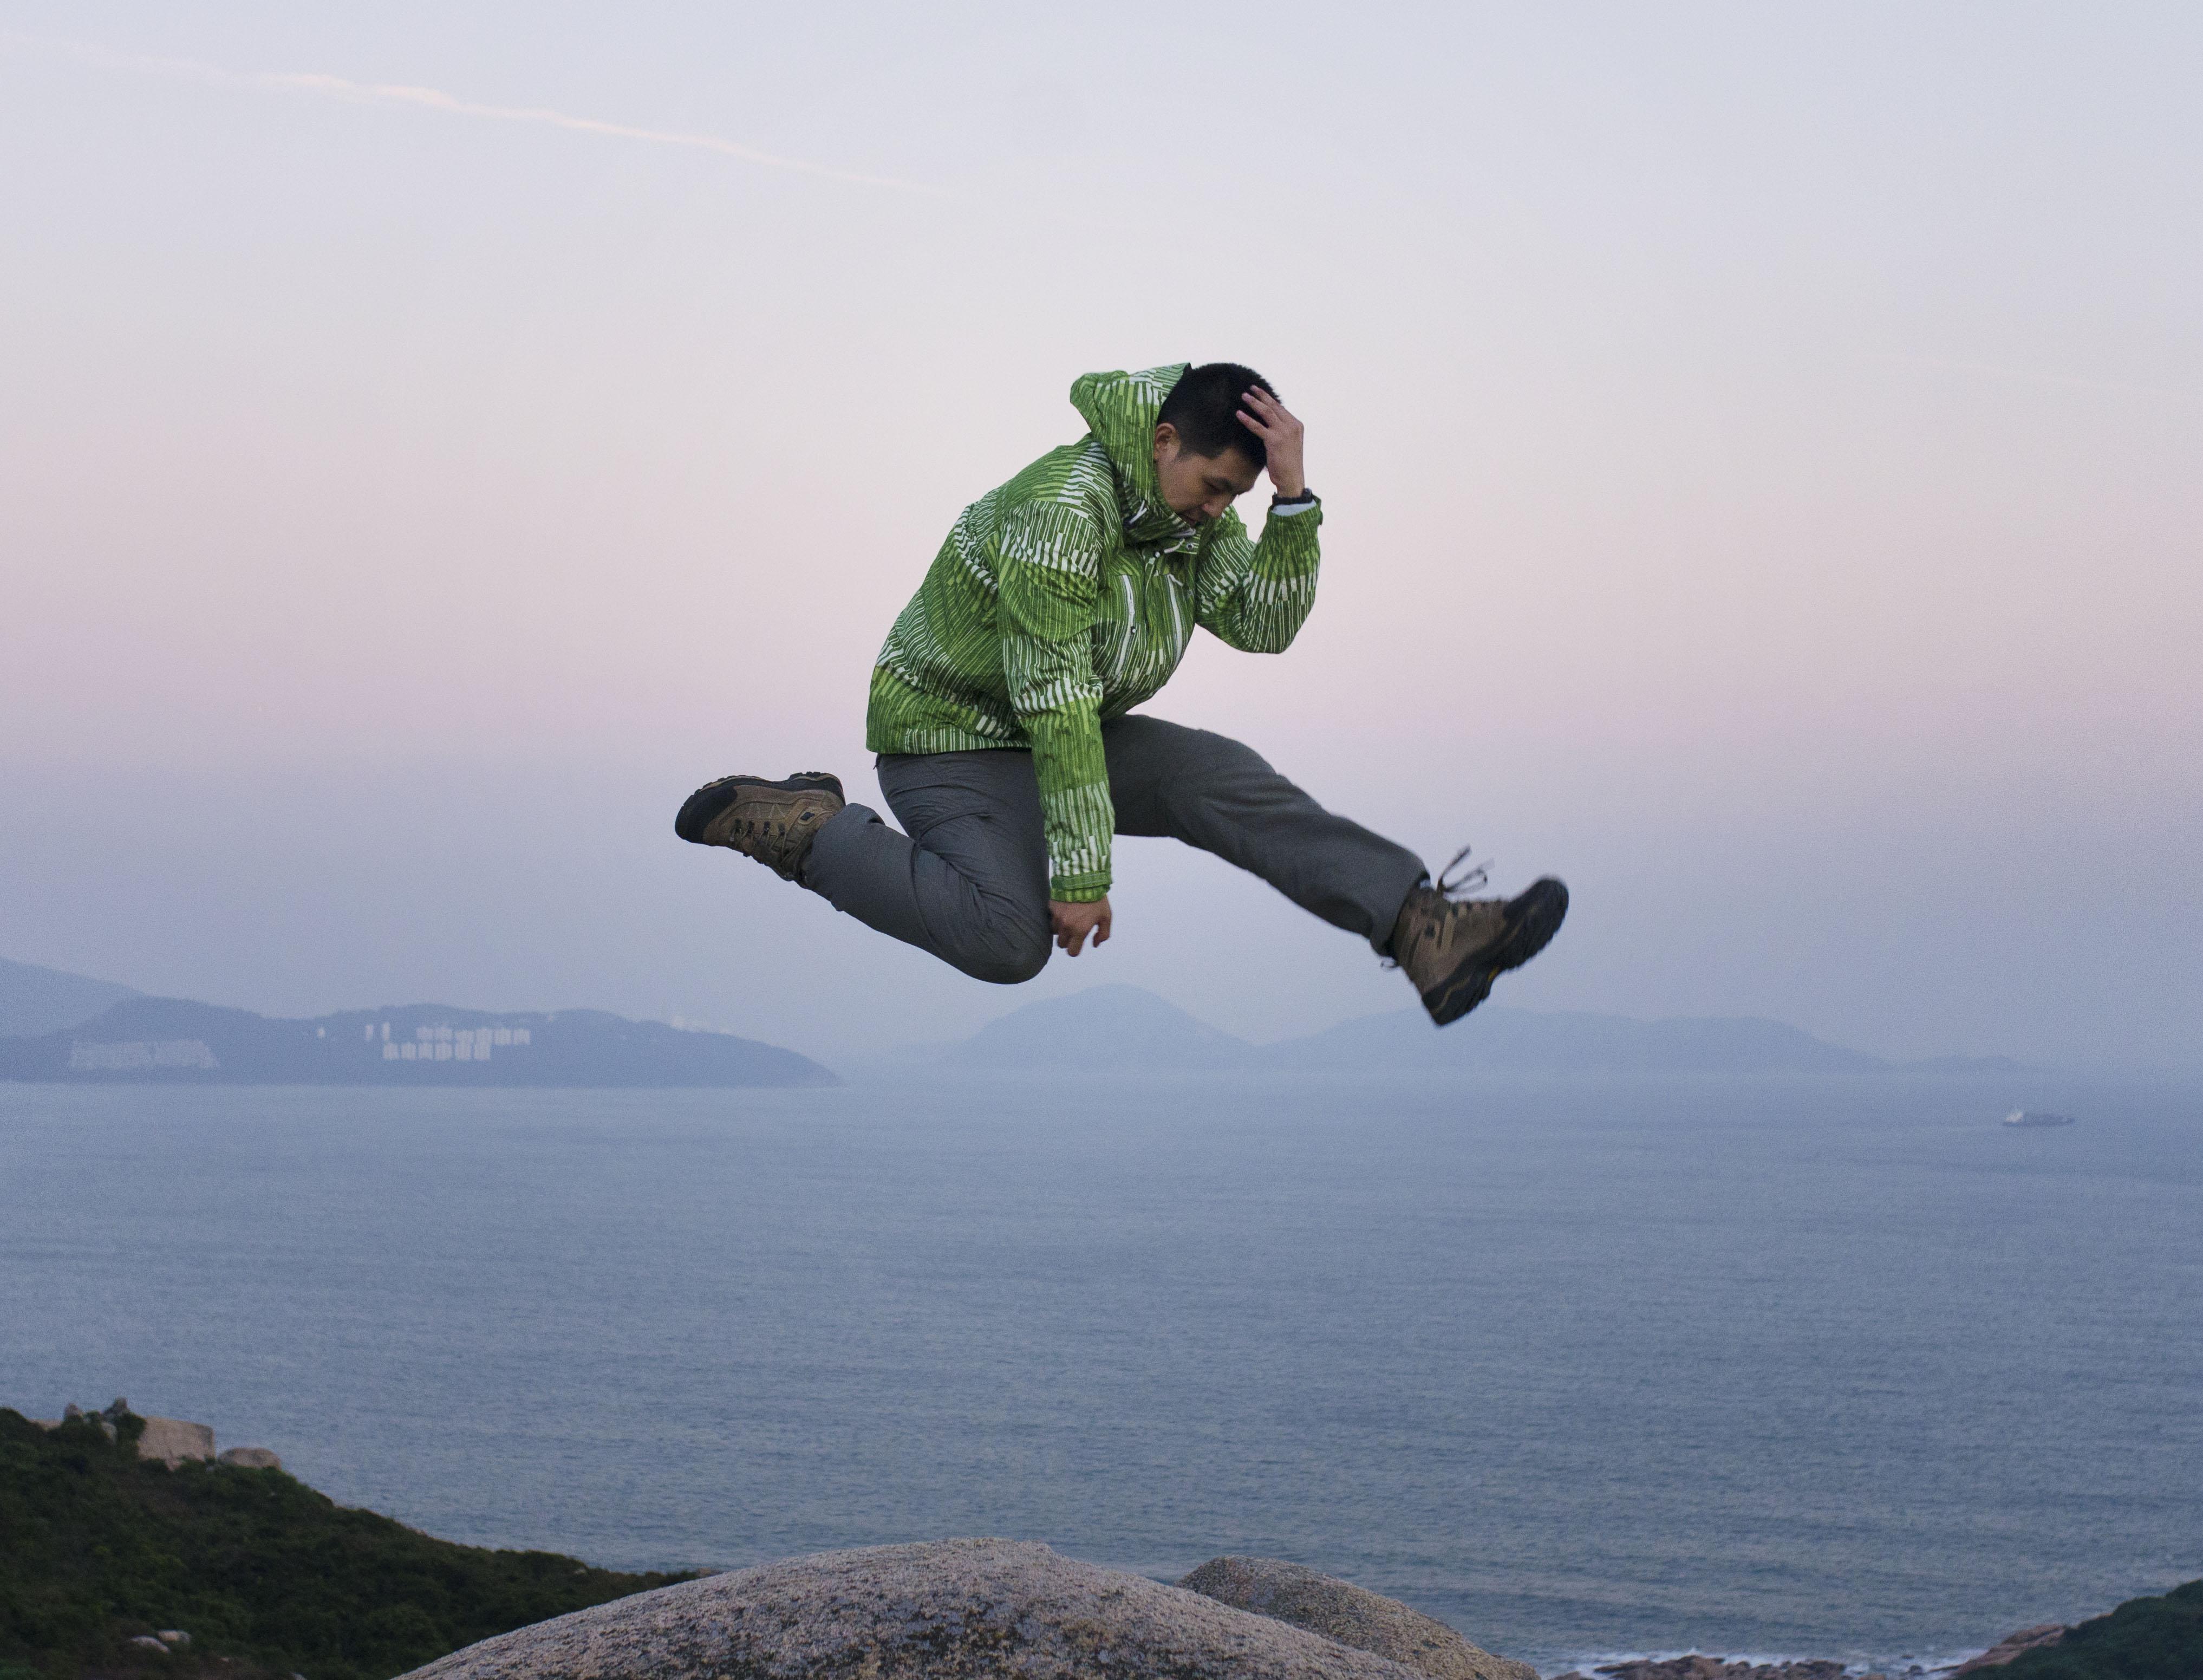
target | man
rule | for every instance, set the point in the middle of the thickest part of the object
(1000, 710)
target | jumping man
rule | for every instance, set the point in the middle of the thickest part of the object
(1000, 712)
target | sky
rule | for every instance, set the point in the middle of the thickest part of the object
(1759, 449)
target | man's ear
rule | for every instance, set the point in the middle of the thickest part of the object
(1166, 436)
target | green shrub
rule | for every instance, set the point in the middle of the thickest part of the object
(2144, 1639)
(268, 1576)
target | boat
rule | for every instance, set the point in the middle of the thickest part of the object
(2036, 1117)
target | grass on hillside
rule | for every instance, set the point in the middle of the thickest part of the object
(2144, 1639)
(268, 1578)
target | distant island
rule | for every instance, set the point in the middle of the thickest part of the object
(169, 1041)
(1119, 1029)
(35, 1000)
(56, 1027)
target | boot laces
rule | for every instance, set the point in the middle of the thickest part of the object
(1456, 889)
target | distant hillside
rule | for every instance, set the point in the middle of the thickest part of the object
(1119, 1027)
(34, 1000)
(1125, 1029)
(168, 1041)
(268, 1577)
(1501, 1040)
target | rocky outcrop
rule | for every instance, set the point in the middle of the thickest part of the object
(167, 1640)
(1712, 1668)
(948, 1609)
(1351, 1615)
(174, 1441)
(170, 1440)
(2013, 1646)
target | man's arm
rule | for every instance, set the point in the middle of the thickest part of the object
(1049, 570)
(1256, 596)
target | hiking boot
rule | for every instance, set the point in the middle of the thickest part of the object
(1453, 949)
(773, 822)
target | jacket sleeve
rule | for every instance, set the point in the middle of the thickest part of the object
(1048, 568)
(1255, 595)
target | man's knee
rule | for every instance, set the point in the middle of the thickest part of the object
(1007, 952)
(1011, 963)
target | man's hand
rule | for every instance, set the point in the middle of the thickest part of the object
(1073, 922)
(1263, 415)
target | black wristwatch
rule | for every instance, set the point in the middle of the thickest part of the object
(1278, 499)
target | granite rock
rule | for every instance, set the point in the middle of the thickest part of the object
(948, 1609)
(250, 1457)
(1351, 1615)
(2013, 1646)
(1712, 1668)
(172, 1440)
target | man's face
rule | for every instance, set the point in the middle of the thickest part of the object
(1199, 488)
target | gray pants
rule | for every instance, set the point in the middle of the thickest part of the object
(969, 881)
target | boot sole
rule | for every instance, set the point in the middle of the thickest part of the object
(708, 801)
(1535, 918)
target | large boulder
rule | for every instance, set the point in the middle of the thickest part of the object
(250, 1457)
(947, 1610)
(1698, 1666)
(1351, 1615)
(173, 1441)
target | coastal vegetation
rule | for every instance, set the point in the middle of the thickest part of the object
(2144, 1639)
(267, 1577)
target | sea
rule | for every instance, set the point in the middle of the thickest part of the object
(1835, 1367)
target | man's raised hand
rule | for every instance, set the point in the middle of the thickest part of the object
(1270, 420)
(1072, 923)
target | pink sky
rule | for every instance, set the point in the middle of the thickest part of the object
(1758, 449)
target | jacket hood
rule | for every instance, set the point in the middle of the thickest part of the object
(1120, 409)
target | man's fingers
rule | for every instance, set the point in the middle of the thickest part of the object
(1070, 924)
(1261, 428)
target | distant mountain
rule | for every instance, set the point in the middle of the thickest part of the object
(35, 1000)
(1119, 1028)
(1500, 1040)
(1966, 1067)
(1122, 1028)
(168, 1041)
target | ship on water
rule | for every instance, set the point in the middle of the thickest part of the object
(2036, 1117)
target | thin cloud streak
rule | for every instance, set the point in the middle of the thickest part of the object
(430, 98)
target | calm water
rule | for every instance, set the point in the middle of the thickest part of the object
(1824, 1369)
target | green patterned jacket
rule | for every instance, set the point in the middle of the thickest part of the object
(1066, 596)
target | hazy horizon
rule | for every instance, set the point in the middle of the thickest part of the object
(1757, 451)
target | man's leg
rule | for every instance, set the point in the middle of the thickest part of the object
(1211, 792)
(968, 882)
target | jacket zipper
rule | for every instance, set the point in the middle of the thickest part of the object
(1132, 629)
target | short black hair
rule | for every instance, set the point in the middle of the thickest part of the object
(1204, 406)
